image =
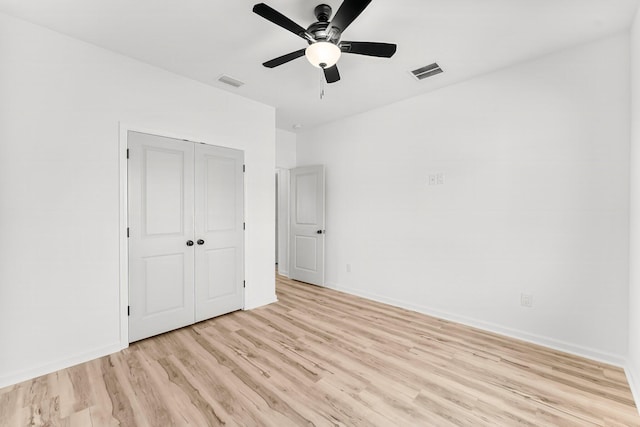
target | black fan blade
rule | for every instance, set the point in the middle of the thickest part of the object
(382, 50)
(331, 74)
(284, 58)
(348, 11)
(270, 14)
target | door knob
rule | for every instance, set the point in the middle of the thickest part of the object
(200, 242)
(320, 232)
(189, 242)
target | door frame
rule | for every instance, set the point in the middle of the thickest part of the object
(282, 220)
(124, 129)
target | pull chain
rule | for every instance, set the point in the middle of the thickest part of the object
(322, 85)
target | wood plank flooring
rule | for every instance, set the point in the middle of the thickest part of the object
(320, 357)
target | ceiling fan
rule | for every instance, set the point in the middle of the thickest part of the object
(323, 36)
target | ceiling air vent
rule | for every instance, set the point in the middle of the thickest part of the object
(427, 71)
(230, 81)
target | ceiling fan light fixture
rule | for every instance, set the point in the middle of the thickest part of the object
(323, 54)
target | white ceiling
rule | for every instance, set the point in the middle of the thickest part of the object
(202, 39)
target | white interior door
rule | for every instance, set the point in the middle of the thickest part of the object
(306, 247)
(219, 274)
(160, 200)
(186, 233)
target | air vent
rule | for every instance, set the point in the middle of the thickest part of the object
(230, 81)
(427, 71)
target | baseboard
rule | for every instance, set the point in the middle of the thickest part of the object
(334, 286)
(284, 273)
(589, 353)
(17, 377)
(261, 303)
(633, 378)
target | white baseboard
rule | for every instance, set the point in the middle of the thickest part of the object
(332, 285)
(17, 377)
(633, 377)
(567, 347)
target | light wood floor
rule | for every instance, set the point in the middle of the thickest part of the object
(320, 357)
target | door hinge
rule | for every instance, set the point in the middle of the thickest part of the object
(244, 168)
(127, 153)
(244, 283)
(244, 225)
(128, 310)
(127, 231)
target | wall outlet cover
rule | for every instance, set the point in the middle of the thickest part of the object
(526, 300)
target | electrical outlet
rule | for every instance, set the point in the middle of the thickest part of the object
(440, 179)
(526, 300)
(432, 180)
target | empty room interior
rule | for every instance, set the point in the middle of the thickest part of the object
(349, 213)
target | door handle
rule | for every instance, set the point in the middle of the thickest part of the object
(320, 232)
(200, 242)
(189, 242)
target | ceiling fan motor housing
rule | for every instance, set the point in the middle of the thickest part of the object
(319, 29)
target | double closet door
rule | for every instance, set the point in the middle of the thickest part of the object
(186, 233)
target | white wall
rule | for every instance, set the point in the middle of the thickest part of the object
(61, 102)
(285, 160)
(285, 149)
(633, 361)
(535, 200)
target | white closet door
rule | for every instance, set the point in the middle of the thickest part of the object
(219, 213)
(306, 248)
(160, 199)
